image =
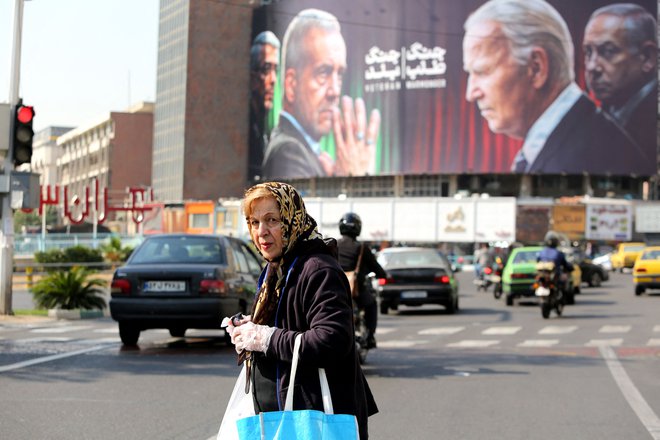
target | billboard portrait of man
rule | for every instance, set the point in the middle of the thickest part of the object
(264, 65)
(518, 55)
(620, 60)
(314, 63)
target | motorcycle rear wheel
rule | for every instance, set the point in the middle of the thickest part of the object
(545, 310)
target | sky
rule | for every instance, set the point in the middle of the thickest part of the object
(81, 59)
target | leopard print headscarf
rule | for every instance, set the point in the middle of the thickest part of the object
(297, 227)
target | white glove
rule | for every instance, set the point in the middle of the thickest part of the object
(229, 323)
(251, 337)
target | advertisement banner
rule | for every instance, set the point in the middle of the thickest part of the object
(609, 222)
(569, 220)
(647, 218)
(456, 220)
(496, 220)
(394, 87)
(532, 223)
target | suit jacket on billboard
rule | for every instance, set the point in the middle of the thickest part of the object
(641, 122)
(288, 155)
(589, 140)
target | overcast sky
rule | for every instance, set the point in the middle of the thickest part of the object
(81, 59)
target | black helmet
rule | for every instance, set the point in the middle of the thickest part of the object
(350, 224)
(552, 239)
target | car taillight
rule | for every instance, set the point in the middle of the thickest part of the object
(640, 269)
(120, 287)
(520, 275)
(443, 279)
(383, 281)
(212, 286)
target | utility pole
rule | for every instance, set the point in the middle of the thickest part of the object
(7, 214)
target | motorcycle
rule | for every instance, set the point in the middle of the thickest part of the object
(546, 289)
(361, 333)
(484, 279)
(496, 278)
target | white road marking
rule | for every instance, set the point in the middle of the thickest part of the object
(607, 342)
(646, 415)
(615, 329)
(501, 331)
(656, 329)
(400, 344)
(557, 329)
(653, 342)
(384, 331)
(54, 357)
(112, 330)
(39, 340)
(539, 343)
(440, 331)
(67, 329)
(472, 343)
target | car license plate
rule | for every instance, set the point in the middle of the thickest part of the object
(164, 286)
(542, 291)
(409, 294)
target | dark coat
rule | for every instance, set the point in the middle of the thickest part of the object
(642, 123)
(349, 252)
(588, 139)
(288, 155)
(316, 303)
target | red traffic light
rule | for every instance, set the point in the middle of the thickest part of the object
(25, 114)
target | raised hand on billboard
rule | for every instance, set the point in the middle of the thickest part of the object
(355, 139)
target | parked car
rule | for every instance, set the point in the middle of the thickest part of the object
(646, 272)
(416, 276)
(520, 272)
(592, 274)
(625, 254)
(183, 281)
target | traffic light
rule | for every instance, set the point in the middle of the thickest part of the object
(23, 134)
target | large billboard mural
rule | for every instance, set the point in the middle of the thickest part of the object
(444, 86)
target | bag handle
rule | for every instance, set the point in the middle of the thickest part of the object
(357, 266)
(325, 388)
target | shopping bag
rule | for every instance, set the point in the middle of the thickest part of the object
(240, 405)
(300, 424)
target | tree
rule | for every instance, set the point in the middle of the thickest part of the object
(69, 290)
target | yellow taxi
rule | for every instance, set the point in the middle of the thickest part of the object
(646, 272)
(625, 254)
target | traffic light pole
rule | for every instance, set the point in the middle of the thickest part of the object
(7, 214)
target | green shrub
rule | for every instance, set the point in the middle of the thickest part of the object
(74, 254)
(114, 252)
(70, 289)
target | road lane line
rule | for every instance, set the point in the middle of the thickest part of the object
(615, 329)
(472, 343)
(54, 357)
(539, 343)
(441, 331)
(557, 329)
(616, 342)
(642, 409)
(501, 331)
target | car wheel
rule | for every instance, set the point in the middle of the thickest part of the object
(639, 290)
(128, 333)
(178, 332)
(384, 308)
(451, 307)
(509, 300)
(595, 280)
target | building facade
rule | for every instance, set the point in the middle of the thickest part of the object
(201, 113)
(45, 153)
(115, 152)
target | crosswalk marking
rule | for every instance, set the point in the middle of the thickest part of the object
(440, 331)
(501, 331)
(616, 342)
(653, 342)
(539, 343)
(107, 330)
(40, 340)
(656, 329)
(473, 343)
(62, 329)
(557, 329)
(615, 329)
(400, 344)
(384, 331)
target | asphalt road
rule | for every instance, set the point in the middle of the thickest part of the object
(489, 371)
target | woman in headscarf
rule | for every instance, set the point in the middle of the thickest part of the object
(302, 290)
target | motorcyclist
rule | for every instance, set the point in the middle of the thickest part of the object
(350, 226)
(483, 258)
(552, 254)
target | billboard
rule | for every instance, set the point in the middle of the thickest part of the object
(394, 87)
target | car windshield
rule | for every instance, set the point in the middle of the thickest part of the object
(411, 258)
(526, 257)
(651, 255)
(633, 248)
(193, 250)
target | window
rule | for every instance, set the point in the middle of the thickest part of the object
(199, 220)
